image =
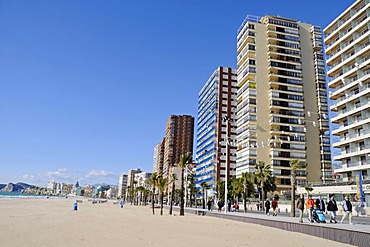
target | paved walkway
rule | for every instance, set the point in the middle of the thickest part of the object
(357, 234)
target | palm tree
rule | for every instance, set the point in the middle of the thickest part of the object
(263, 174)
(308, 189)
(191, 188)
(173, 180)
(205, 187)
(220, 188)
(184, 160)
(247, 179)
(294, 165)
(162, 184)
(236, 188)
(153, 183)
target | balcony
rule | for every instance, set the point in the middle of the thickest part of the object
(343, 23)
(350, 111)
(351, 138)
(349, 97)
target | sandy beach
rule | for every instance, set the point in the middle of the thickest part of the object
(52, 222)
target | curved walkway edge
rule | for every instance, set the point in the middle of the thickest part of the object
(358, 235)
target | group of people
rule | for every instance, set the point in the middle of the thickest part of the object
(273, 204)
(313, 207)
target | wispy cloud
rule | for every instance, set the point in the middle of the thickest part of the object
(30, 178)
(60, 175)
(100, 174)
(64, 175)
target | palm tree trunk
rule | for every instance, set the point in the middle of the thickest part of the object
(182, 210)
(292, 194)
(153, 200)
(162, 195)
(172, 197)
(245, 201)
(203, 202)
(263, 196)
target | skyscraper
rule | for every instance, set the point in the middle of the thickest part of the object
(347, 41)
(216, 100)
(282, 111)
(122, 185)
(178, 140)
(158, 157)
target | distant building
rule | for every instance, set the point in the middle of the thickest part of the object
(131, 179)
(142, 179)
(158, 157)
(112, 192)
(52, 186)
(178, 140)
(122, 185)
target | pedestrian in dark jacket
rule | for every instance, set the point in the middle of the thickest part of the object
(220, 205)
(267, 206)
(332, 208)
(300, 207)
(320, 204)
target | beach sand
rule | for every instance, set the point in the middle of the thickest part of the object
(52, 222)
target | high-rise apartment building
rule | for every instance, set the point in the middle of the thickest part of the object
(122, 185)
(178, 140)
(131, 179)
(347, 41)
(282, 111)
(216, 100)
(158, 157)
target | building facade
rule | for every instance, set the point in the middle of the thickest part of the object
(122, 185)
(347, 41)
(131, 184)
(282, 110)
(216, 100)
(158, 157)
(142, 179)
(178, 140)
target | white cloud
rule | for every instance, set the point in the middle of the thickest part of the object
(100, 174)
(58, 175)
(30, 178)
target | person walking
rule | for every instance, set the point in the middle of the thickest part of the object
(228, 205)
(220, 205)
(320, 204)
(310, 204)
(267, 206)
(274, 204)
(209, 204)
(300, 207)
(332, 208)
(347, 209)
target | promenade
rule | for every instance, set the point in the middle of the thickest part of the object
(357, 234)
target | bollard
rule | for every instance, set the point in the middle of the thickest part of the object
(75, 206)
(278, 210)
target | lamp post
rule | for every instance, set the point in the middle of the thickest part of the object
(226, 119)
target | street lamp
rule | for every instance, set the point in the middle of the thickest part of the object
(226, 119)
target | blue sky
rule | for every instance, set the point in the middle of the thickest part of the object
(87, 86)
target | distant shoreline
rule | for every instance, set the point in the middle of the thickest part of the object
(15, 195)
